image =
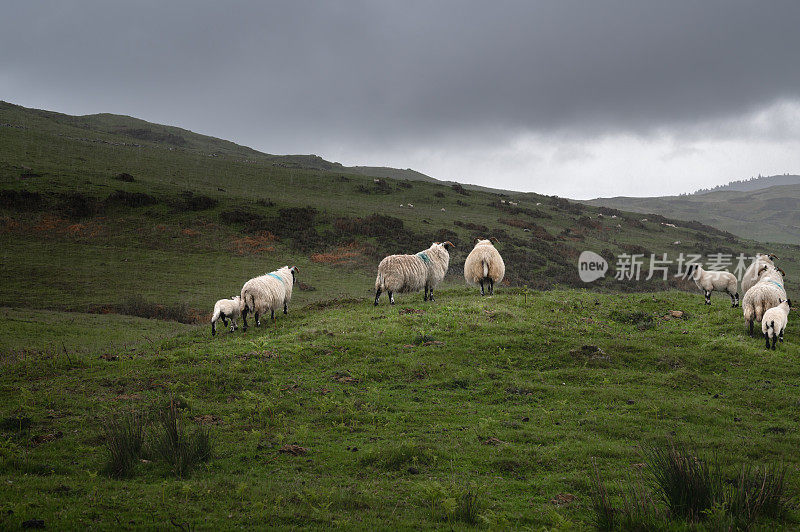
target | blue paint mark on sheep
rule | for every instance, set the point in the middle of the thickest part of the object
(776, 283)
(277, 277)
(424, 257)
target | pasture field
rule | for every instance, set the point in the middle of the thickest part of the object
(399, 410)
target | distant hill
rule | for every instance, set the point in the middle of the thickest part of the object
(769, 214)
(755, 183)
(112, 127)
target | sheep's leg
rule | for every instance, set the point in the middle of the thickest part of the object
(391, 298)
(272, 315)
(233, 325)
(737, 299)
(774, 339)
(430, 296)
(225, 321)
(285, 308)
(491, 286)
(733, 300)
(482, 287)
(244, 319)
(708, 296)
(766, 337)
(213, 328)
(258, 318)
(425, 297)
(751, 328)
(377, 296)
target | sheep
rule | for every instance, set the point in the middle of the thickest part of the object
(750, 276)
(774, 322)
(225, 309)
(714, 281)
(410, 205)
(763, 295)
(267, 292)
(412, 273)
(538, 203)
(484, 265)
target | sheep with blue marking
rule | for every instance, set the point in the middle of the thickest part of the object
(268, 292)
(412, 273)
(751, 274)
(762, 296)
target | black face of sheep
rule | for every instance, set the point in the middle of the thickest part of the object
(448, 245)
(294, 270)
(690, 271)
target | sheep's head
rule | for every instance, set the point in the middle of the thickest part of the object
(772, 256)
(448, 245)
(762, 270)
(294, 270)
(690, 271)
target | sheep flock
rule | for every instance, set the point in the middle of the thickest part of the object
(765, 299)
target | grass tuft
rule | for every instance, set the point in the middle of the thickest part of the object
(124, 436)
(171, 442)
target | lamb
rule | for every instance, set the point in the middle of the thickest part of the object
(267, 292)
(484, 265)
(225, 309)
(750, 276)
(762, 296)
(714, 281)
(412, 273)
(774, 322)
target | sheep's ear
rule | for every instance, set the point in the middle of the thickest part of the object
(476, 240)
(494, 239)
(294, 269)
(772, 256)
(448, 245)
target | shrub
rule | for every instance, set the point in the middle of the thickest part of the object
(78, 205)
(182, 450)
(266, 202)
(452, 503)
(130, 199)
(124, 435)
(125, 178)
(239, 216)
(459, 189)
(21, 200)
(439, 194)
(196, 202)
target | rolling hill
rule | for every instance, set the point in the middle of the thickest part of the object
(117, 236)
(769, 214)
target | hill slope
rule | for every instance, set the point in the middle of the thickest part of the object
(755, 183)
(769, 214)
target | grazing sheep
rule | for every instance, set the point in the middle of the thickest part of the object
(267, 292)
(484, 265)
(763, 295)
(412, 273)
(750, 276)
(774, 322)
(410, 205)
(714, 281)
(443, 209)
(225, 309)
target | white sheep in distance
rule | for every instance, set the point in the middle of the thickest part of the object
(267, 292)
(412, 273)
(226, 309)
(714, 281)
(751, 275)
(763, 295)
(774, 322)
(484, 265)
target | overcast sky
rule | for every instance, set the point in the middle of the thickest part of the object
(579, 99)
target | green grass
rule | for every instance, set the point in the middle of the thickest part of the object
(510, 404)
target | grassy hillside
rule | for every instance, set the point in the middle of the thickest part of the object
(116, 238)
(755, 183)
(769, 215)
(399, 412)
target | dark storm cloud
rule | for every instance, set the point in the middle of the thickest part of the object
(396, 69)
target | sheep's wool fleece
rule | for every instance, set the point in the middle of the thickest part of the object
(229, 307)
(777, 315)
(763, 296)
(268, 292)
(750, 277)
(410, 273)
(484, 253)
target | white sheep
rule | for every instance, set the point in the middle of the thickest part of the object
(714, 281)
(226, 309)
(538, 203)
(443, 209)
(774, 322)
(410, 205)
(484, 265)
(412, 273)
(267, 292)
(751, 275)
(763, 295)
